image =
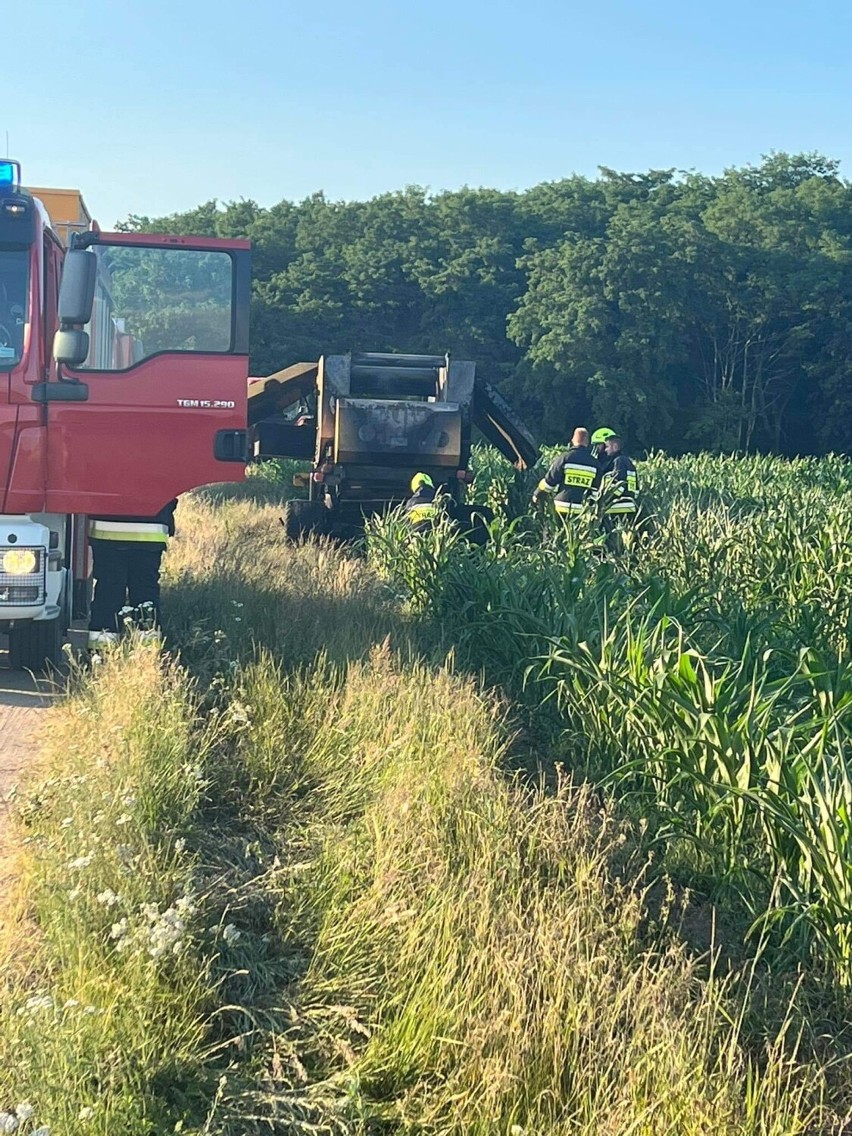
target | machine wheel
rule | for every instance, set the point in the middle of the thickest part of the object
(304, 518)
(36, 646)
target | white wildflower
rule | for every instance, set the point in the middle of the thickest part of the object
(86, 1113)
(43, 1131)
(125, 818)
(119, 932)
(75, 893)
(8, 1122)
(37, 1003)
(180, 844)
(129, 801)
(71, 1003)
(230, 934)
(24, 1111)
(79, 863)
(67, 822)
(108, 898)
(240, 713)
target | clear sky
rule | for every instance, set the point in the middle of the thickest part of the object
(153, 107)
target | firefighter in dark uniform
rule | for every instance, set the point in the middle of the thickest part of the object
(126, 557)
(618, 472)
(599, 441)
(571, 477)
(421, 509)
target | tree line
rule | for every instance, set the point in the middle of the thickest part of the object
(688, 311)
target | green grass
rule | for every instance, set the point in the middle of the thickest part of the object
(704, 670)
(413, 893)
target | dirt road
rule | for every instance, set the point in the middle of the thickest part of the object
(22, 702)
(22, 705)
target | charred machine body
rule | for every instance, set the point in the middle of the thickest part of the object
(368, 422)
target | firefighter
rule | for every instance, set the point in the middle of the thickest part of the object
(420, 510)
(618, 471)
(126, 557)
(599, 440)
(571, 477)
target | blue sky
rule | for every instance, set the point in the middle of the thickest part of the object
(155, 107)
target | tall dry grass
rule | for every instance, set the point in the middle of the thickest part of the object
(483, 942)
(377, 927)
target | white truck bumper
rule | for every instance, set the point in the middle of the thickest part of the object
(29, 595)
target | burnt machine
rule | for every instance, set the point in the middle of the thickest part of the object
(368, 422)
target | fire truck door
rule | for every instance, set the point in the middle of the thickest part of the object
(166, 378)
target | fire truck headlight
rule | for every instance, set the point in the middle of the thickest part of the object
(20, 562)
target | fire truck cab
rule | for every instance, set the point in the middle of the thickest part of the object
(123, 383)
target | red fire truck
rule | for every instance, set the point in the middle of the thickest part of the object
(123, 380)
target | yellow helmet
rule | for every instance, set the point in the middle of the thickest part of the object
(601, 435)
(421, 479)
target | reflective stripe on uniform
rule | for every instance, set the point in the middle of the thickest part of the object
(621, 507)
(543, 487)
(418, 513)
(632, 481)
(582, 476)
(568, 506)
(129, 530)
(102, 638)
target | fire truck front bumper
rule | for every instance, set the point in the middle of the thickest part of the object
(31, 585)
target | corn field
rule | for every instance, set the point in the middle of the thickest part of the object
(314, 867)
(701, 668)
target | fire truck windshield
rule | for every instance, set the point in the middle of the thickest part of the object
(14, 275)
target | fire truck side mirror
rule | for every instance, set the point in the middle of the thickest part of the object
(77, 290)
(71, 346)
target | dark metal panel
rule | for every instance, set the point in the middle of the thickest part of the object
(273, 394)
(458, 382)
(503, 428)
(373, 431)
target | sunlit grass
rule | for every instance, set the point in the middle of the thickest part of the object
(310, 895)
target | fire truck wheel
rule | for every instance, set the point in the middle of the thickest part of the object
(304, 518)
(36, 646)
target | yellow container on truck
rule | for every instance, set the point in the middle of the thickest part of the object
(66, 209)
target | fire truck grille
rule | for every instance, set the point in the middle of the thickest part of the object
(23, 591)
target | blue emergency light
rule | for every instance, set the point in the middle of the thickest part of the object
(10, 175)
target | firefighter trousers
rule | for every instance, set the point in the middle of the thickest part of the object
(127, 573)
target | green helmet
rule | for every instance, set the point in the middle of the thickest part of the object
(602, 435)
(421, 479)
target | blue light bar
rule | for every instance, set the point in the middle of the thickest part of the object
(10, 174)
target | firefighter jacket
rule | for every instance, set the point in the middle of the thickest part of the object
(571, 477)
(136, 529)
(420, 508)
(620, 472)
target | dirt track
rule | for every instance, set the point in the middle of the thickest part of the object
(22, 701)
(22, 704)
